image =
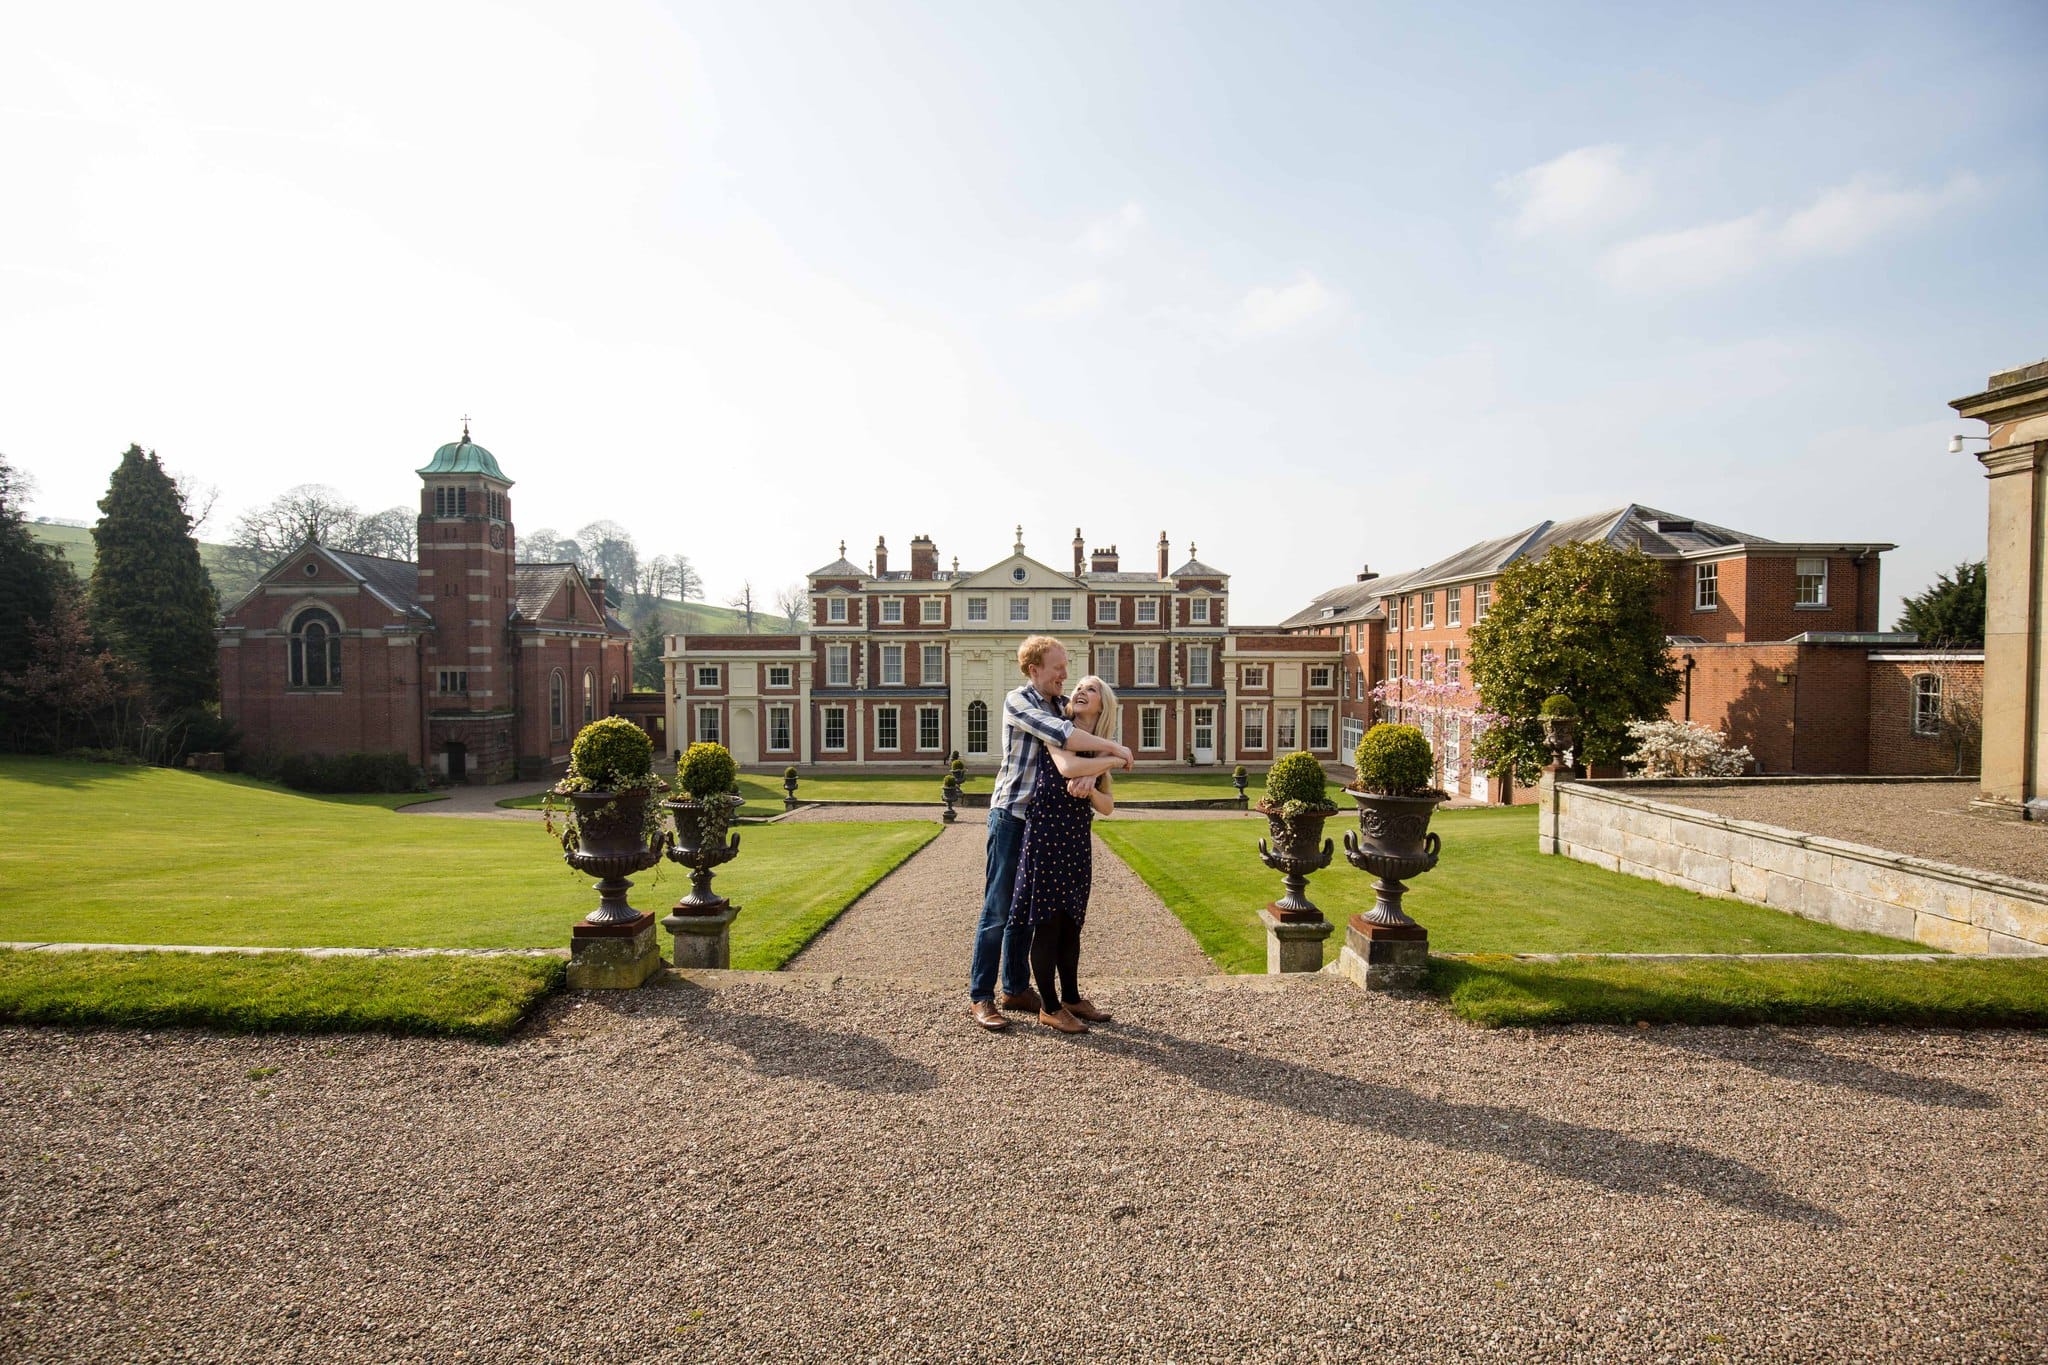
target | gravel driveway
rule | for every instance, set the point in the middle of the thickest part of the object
(741, 1167)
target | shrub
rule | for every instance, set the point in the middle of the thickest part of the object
(611, 754)
(356, 772)
(789, 772)
(1296, 786)
(1238, 774)
(1679, 748)
(1394, 760)
(1557, 704)
(707, 770)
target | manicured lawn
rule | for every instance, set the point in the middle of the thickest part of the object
(146, 855)
(1954, 993)
(466, 997)
(763, 791)
(1492, 893)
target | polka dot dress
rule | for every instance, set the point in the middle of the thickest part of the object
(1057, 865)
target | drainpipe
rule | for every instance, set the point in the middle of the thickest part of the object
(1689, 666)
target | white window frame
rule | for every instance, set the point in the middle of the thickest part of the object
(1148, 611)
(1429, 609)
(1453, 751)
(1105, 664)
(977, 609)
(927, 676)
(1253, 724)
(1706, 587)
(1145, 666)
(1254, 676)
(826, 716)
(838, 665)
(708, 734)
(1927, 704)
(1454, 664)
(892, 662)
(706, 676)
(1810, 590)
(1198, 611)
(932, 611)
(1318, 717)
(1482, 598)
(892, 611)
(1351, 729)
(785, 716)
(1318, 675)
(1020, 611)
(1454, 606)
(835, 610)
(1062, 610)
(894, 715)
(972, 728)
(1198, 666)
(1155, 717)
(1107, 613)
(1286, 729)
(781, 675)
(938, 724)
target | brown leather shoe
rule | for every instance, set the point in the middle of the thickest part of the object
(1085, 1009)
(1026, 1000)
(988, 1016)
(1064, 1022)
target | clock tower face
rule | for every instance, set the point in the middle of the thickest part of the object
(497, 537)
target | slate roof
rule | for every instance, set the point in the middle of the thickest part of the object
(535, 585)
(839, 568)
(394, 582)
(1195, 568)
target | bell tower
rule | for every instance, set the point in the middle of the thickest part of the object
(466, 572)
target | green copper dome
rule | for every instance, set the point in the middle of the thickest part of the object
(466, 457)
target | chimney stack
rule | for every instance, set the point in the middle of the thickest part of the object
(924, 559)
(1079, 546)
(881, 556)
(1163, 552)
(1365, 573)
(1102, 561)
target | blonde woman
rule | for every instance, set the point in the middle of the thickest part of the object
(1056, 867)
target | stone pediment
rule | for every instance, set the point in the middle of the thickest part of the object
(1003, 574)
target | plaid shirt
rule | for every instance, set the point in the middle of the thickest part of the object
(1029, 720)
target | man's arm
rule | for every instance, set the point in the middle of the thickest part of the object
(1076, 765)
(1058, 733)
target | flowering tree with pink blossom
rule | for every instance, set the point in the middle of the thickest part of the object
(1434, 707)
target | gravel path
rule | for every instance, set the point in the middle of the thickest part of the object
(918, 922)
(738, 1167)
(1922, 819)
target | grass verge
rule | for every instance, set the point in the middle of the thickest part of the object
(1496, 992)
(804, 894)
(462, 997)
(1492, 893)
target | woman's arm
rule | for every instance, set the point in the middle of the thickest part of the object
(1072, 765)
(1101, 799)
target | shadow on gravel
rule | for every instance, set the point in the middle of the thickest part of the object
(784, 1047)
(1795, 1059)
(1573, 1151)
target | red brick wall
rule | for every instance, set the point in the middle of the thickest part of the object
(1816, 721)
(1894, 747)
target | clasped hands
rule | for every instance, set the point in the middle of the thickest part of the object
(1084, 787)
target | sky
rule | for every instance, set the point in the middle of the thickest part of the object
(1304, 286)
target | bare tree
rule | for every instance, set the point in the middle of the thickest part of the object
(200, 498)
(1952, 706)
(658, 577)
(538, 545)
(689, 583)
(744, 600)
(311, 511)
(393, 533)
(793, 600)
(608, 550)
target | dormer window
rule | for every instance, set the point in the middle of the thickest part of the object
(835, 609)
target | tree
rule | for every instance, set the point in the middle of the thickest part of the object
(1957, 702)
(393, 533)
(608, 550)
(689, 583)
(538, 546)
(793, 600)
(1582, 621)
(1951, 613)
(151, 601)
(311, 511)
(744, 600)
(34, 579)
(69, 690)
(647, 651)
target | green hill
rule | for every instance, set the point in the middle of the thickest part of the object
(230, 579)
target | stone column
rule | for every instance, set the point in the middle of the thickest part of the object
(1384, 957)
(702, 940)
(1546, 811)
(2015, 751)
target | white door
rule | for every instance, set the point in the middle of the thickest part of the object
(745, 740)
(1205, 734)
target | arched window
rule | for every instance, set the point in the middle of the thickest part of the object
(615, 691)
(589, 696)
(557, 702)
(316, 650)
(977, 727)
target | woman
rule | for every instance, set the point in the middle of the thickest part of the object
(1056, 866)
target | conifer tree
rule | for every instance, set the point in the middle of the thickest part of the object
(34, 581)
(152, 602)
(1951, 612)
(647, 654)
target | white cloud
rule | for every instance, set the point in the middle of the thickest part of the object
(1076, 301)
(1584, 188)
(1838, 220)
(1110, 235)
(1270, 309)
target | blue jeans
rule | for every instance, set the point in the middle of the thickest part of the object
(995, 938)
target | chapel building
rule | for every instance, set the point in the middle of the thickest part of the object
(473, 665)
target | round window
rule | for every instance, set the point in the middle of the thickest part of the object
(1018, 573)
(312, 568)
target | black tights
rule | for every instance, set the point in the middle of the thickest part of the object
(1056, 943)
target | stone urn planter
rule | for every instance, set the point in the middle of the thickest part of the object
(950, 789)
(1383, 948)
(1559, 719)
(702, 920)
(789, 788)
(702, 841)
(610, 833)
(1295, 806)
(611, 844)
(1393, 842)
(1294, 847)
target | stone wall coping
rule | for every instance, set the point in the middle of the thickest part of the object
(247, 951)
(1731, 957)
(1606, 790)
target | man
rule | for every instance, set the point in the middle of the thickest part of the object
(1033, 714)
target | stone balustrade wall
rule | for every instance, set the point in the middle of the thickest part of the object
(1620, 826)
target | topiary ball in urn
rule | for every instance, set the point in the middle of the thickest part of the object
(610, 827)
(707, 775)
(1396, 795)
(1297, 802)
(1559, 718)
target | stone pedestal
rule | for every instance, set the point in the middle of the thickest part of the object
(613, 957)
(1384, 957)
(703, 940)
(1294, 945)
